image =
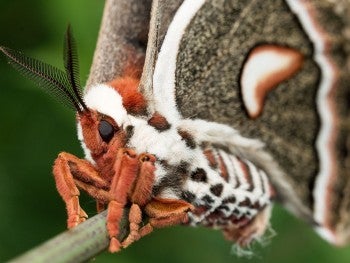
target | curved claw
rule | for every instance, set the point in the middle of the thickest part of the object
(114, 245)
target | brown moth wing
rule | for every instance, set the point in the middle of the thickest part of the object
(218, 78)
(220, 36)
(161, 16)
(197, 79)
(122, 39)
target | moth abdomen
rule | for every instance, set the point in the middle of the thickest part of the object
(226, 190)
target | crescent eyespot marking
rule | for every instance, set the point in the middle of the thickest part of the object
(265, 68)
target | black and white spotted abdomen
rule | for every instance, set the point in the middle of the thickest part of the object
(237, 191)
(224, 188)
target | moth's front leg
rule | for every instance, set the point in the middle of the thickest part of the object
(70, 171)
(125, 171)
(132, 182)
(160, 212)
(140, 195)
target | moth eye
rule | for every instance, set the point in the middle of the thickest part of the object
(106, 130)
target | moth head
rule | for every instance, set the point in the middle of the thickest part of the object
(105, 127)
(101, 115)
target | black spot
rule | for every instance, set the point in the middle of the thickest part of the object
(188, 196)
(236, 211)
(208, 199)
(230, 199)
(245, 202)
(214, 216)
(216, 189)
(199, 175)
(224, 207)
(187, 137)
(256, 206)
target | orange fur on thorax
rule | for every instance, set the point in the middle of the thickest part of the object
(127, 86)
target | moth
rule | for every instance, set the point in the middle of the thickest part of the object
(207, 114)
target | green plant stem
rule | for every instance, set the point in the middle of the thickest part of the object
(76, 245)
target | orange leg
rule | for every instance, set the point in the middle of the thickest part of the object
(162, 212)
(132, 182)
(140, 196)
(67, 170)
(126, 170)
(135, 219)
(142, 192)
(167, 212)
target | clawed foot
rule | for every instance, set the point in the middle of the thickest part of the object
(161, 213)
(76, 214)
(132, 183)
(136, 231)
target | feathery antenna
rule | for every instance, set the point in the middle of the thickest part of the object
(64, 86)
(71, 64)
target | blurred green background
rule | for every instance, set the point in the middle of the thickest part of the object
(34, 128)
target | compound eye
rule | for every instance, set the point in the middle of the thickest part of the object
(106, 130)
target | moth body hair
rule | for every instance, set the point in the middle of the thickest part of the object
(182, 143)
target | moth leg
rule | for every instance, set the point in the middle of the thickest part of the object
(125, 172)
(101, 195)
(167, 212)
(140, 196)
(162, 213)
(67, 170)
(135, 219)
